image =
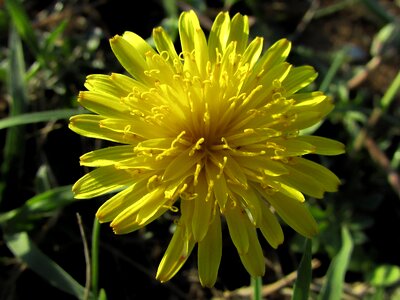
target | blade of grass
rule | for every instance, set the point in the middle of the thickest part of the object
(390, 93)
(22, 23)
(35, 117)
(11, 167)
(24, 249)
(102, 295)
(87, 258)
(333, 286)
(334, 8)
(376, 8)
(49, 43)
(302, 284)
(337, 62)
(48, 201)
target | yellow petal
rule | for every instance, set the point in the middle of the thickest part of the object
(210, 253)
(106, 156)
(129, 57)
(239, 226)
(178, 251)
(89, 125)
(134, 127)
(290, 146)
(263, 164)
(253, 52)
(253, 260)
(219, 35)
(127, 83)
(187, 210)
(303, 182)
(307, 119)
(286, 190)
(294, 213)
(137, 214)
(202, 212)
(188, 25)
(276, 73)
(164, 44)
(298, 78)
(181, 164)
(138, 43)
(307, 101)
(200, 52)
(235, 172)
(273, 56)
(103, 104)
(116, 204)
(250, 201)
(270, 227)
(327, 178)
(324, 146)
(220, 186)
(239, 32)
(104, 84)
(101, 181)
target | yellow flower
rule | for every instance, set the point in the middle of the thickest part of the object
(208, 133)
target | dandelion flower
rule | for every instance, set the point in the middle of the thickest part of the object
(211, 133)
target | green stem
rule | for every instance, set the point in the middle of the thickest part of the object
(95, 258)
(391, 92)
(338, 60)
(256, 282)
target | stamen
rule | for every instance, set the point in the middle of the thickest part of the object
(151, 73)
(164, 55)
(152, 182)
(210, 191)
(173, 209)
(197, 146)
(196, 174)
(171, 150)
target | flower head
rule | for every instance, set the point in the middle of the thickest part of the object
(211, 133)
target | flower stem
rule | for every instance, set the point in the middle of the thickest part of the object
(95, 258)
(256, 282)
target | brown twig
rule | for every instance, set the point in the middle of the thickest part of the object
(381, 159)
(364, 139)
(361, 76)
(87, 258)
(269, 288)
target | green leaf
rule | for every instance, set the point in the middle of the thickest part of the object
(338, 60)
(333, 285)
(302, 284)
(376, 8)
(102, 295)
(385, 275)
(13, 153)
(390, 93)
(387, 41)
(35, 207)
(25, 250)
(36, 117)
(23, 25)
(49, 43)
